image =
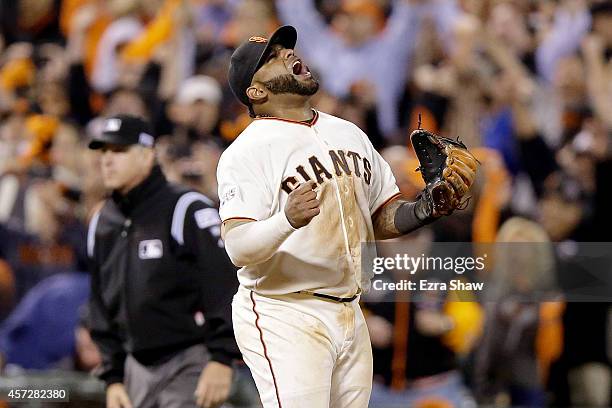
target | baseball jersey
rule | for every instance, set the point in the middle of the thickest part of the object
(269, 159)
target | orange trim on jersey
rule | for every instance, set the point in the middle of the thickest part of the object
(240, 218)
(265, 350)
(392, 198)
(297, 122)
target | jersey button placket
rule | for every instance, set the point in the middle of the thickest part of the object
(342, 194)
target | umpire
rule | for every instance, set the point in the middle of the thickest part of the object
(161, 281)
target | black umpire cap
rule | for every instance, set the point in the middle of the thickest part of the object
(250, 56)
(124, 130)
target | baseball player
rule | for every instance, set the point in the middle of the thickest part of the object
(300, 191)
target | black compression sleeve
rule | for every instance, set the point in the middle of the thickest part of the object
(411, 216)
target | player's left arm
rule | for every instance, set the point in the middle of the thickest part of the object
(399, 217)
(392, 214)
(448, 179)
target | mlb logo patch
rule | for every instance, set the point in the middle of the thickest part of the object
(150, 249)
(112, 125)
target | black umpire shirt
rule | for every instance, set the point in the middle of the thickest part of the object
(161, 279)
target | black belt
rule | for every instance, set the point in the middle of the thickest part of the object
(330, 297)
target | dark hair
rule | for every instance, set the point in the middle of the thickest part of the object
(603, 7)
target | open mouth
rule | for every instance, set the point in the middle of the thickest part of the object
(298, 68)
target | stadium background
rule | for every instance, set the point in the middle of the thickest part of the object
(526, 83)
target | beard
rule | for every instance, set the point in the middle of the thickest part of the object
(287, 84)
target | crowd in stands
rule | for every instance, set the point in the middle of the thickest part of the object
(526, 84)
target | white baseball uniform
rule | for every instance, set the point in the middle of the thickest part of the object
(305, 351)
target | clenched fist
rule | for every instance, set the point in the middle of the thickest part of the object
(302, 205)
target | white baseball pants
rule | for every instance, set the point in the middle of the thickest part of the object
(303, 351)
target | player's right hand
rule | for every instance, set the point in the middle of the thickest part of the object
(117, 396)
(302, 205)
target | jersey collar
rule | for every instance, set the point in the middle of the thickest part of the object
(308, 123)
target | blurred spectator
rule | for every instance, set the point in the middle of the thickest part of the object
(586, 360)
(40, 332)
(248, 18)
(523, 334)
(418, 347)
(7, 289)
(30, 20)
(50, 240)
(601, 12)
(195, 110)
(345, 57)
(571, 23)
(109, 69)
